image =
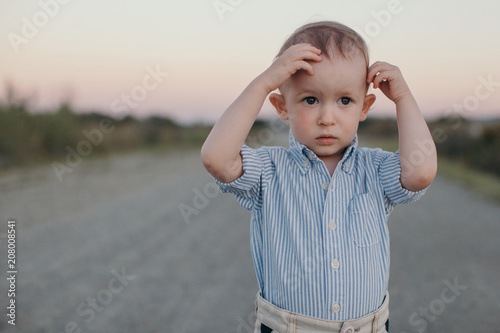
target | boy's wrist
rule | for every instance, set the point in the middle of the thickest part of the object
(405, 99)
(260, 85)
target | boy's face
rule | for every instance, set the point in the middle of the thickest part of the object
(324, 110)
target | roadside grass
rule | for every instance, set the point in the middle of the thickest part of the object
(116, 144)
(482, 182)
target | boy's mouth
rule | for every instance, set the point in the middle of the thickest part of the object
(326, 139)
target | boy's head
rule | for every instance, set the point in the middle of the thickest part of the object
(332, 38)
(324, 109)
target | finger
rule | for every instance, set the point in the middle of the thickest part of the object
(303, 47)
(376, 81)
(300, 65)
(375, 69)
(310, 47)
(381, 77)
(380, 64)
(309, 55)
(300, 52)
(307, 67)
(372, 74)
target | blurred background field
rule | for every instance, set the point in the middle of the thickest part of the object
(469, 150)
(28, 137)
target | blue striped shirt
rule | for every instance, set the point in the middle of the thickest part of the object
(320, 243)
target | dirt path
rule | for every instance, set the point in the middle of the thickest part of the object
(143, 243)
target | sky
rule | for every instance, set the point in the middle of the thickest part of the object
(190, 59)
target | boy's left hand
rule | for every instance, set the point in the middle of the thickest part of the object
(389, 79)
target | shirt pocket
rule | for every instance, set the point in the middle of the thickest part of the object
(364, 224)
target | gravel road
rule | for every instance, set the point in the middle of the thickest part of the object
(143, 243)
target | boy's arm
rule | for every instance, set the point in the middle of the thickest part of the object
(417, 151)
(220, 153)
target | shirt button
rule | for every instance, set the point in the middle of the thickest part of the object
(349, 330)
(306, 164)
(311, 156)
(326, 186)
(336, 308)
(347, 164)
(332, 225)
(335, 264)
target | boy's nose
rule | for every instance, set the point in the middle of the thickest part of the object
(326, 116)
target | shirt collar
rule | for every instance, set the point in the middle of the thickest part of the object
(305, 157)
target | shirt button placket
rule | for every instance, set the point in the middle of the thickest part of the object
(332, 225)
(326, 186)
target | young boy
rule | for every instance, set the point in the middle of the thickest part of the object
(319, 236)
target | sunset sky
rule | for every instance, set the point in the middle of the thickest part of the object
(205, 52)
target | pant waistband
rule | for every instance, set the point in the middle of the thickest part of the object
(283, 321)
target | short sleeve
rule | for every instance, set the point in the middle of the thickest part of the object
(390, 173)
(247, 188)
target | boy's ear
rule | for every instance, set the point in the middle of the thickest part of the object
(278, 101)
(369, 100)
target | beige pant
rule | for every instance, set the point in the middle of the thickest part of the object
(288, 322)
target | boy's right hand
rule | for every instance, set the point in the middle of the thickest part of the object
(292, 60)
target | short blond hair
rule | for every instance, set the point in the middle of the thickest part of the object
(328, 36)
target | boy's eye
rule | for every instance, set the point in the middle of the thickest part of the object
(310, 100)
(344, 101)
